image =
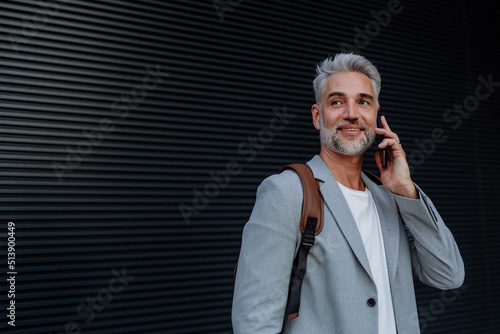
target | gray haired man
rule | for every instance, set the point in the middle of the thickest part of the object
(361, 268)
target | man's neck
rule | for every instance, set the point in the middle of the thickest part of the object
(346, 169)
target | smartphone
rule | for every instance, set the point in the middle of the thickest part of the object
(379, 138)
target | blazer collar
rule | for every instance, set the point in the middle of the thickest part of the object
(389, 222)
(337, 205)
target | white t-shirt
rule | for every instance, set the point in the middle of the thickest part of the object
(365, 214)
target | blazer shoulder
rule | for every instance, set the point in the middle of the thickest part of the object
(286, 183)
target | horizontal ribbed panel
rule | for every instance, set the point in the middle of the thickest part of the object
(94, 185)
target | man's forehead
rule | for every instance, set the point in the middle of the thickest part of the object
(365, 95)
(349, 83)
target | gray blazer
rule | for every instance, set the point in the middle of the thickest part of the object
(338, 282)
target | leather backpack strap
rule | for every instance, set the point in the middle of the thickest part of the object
(312, 204)
(373, 177)
(311, 224)
(378, 182)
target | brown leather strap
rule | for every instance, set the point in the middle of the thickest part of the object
(373, 177)
(312, 205)
(378, 182)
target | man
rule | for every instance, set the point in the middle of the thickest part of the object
(360, 270)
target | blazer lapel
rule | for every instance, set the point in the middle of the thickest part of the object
(389, 223)
(337, 205)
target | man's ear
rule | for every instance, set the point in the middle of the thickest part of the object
(315, 116)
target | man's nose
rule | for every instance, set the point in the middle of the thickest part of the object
(351, 111)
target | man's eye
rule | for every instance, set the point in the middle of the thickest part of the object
(335, 103)
(365, 103)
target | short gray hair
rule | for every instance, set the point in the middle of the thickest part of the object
(344, 62)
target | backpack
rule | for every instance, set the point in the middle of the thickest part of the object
(311, 224)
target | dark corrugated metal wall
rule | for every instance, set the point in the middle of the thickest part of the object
(134, 134)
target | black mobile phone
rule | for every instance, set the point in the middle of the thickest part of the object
(379, 138)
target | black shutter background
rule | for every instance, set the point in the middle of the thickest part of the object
(134, 135)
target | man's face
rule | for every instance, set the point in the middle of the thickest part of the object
(348, 114)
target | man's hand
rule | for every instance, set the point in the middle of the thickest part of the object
(396, 176)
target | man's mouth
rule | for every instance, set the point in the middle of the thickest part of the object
(350, 129)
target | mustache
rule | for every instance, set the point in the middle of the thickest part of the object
(351, 122)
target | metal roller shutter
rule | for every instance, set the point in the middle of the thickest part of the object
(134, 135)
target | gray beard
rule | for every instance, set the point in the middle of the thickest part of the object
(331, 139)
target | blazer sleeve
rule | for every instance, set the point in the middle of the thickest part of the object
(269, 243)
(436, 259)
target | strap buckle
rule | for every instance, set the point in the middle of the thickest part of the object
(308, 236)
